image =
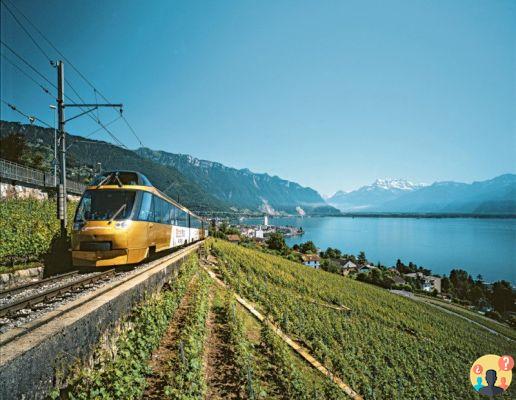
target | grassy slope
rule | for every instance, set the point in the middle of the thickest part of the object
(389, 347)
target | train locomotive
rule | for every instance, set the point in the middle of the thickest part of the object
(123, 219)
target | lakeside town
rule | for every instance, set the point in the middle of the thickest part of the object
(494, 300)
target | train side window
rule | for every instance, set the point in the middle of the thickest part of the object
(181, 219)
(167, 219)
(158, 210)
(175, 218)
(146, 212)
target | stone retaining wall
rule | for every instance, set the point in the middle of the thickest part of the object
(32, 361)
(14, 278)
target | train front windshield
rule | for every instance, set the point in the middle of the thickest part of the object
(103, 205)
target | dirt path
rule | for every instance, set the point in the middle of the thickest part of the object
(221, 374)
(166, 353)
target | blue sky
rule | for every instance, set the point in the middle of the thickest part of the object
(331, 94)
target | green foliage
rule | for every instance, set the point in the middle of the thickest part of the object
(330, 266)
(124, 375)
(331, 253)
(308, 247)
(186, 379)
(90, 152)
(276, 241)
(294, 383)
(14, 147)
(28, 227)
(242, 351)
(387, 347)
(361, 259)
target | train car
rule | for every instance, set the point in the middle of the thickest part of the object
(122, 219)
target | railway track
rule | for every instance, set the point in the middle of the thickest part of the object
(10, 309)
(33, 285)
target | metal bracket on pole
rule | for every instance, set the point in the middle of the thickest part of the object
(61, 198)
(81, 114)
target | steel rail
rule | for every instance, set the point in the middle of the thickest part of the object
(21, 288)
(52, 293)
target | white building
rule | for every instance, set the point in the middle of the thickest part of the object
(428, 282)
(266, 220)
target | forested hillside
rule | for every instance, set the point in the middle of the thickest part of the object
(84, 154)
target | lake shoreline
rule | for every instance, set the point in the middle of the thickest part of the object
(409, 215)
(483, 246)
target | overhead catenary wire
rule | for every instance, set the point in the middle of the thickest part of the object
(27, 75)
(103, 126)
(31, 118)
(28, 64)
(49, 42)
(45, 54)
(98, 121)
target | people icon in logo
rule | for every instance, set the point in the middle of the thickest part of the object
(503, 383)
(479, 385)
(491, 375)
(491, 389)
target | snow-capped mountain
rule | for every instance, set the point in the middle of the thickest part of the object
(493, 196)
(394, 184)
(372, 196)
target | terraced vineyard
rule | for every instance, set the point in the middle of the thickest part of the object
(386, 347)
(194, 341)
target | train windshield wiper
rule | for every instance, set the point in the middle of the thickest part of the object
(123, 206)
(105, 180)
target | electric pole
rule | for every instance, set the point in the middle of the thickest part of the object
(61, 193)
(61, 197)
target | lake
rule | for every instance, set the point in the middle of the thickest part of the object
(480, 246)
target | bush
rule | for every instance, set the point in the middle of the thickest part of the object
(494, 315)
(27, 229)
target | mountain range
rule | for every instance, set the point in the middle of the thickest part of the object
(211, 186)
(493, 196)
(200, 185)
(241, 187)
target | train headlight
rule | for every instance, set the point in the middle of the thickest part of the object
(123, 224)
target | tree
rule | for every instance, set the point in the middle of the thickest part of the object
(223, 227)
(330, 266)
(276, 241)
(475, 295)
(445, 284)
(308, 247)
(502, 297)
(13, 147)
(461, 282)
(331, 253)
(362, 260)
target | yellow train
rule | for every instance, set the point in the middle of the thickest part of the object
(122, 219)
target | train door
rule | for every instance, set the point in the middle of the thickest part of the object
(161, 229)
(147, 214)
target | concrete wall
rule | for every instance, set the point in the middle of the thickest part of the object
(31, 363)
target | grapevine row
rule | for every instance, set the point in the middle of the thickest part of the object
(186, 380)
(387, 347)
(123, 375)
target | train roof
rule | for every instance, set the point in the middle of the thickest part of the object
(132, 178)
(124, 177)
